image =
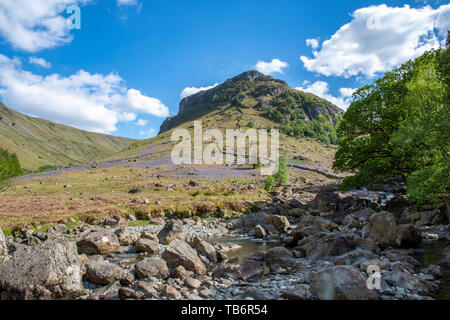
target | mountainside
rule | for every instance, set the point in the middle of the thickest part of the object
(251, 100)
(39, 142)
(271, 98)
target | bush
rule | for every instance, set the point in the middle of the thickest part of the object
(270, 184)
(280, 177)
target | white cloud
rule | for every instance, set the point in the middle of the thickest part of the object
(379, 38)
(35, 25)
(149, 133)
(322, 90)
(127, 2)
(189, 91)
(274, 66)
(40, 62)
(141, 122)
(87, 101)
(313, 43)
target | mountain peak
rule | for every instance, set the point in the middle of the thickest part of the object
(254, 90)
(253, 76)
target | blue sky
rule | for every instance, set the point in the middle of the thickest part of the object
(137, 56)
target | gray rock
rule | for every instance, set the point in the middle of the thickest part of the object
(281, 223)
(97, 240)
(321, 223)
(260, 232)
(383, 229)
(204, 248)
(341, 283)
(279, 256)
(46, 271)
(322, 245)
(171, 293)
(125, 237)
(180, 253)
(299, 292)
(103, 273)
(192, 283)
(172, 230)
(146, 245)
(409, 236)
(151, 267)
(251, 270)
(327, 201)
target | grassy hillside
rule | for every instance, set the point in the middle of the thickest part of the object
(39, 142)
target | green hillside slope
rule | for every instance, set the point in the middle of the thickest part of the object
(39, 142)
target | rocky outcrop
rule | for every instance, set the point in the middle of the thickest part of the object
(180, 253)
(98, 241)
(341, 283)
(46, 271)
(172, 230)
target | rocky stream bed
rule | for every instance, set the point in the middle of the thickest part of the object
(304, 244)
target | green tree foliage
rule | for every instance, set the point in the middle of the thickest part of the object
(9, 165)
(285, 110)
(280, 177)
(399, 126)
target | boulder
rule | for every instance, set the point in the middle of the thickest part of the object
(151, 267)
(3, 247)
(172, 230)
(279, 256)
(125, 237)
(341, 283)
(281, 223)
(250, 270)
(171, 293)
(327, 201)
(146, 245)
(409, 236)
(397, 204)
(98, 241)
(192, 283)
(383, 229)
(260, 232)
(426, 218)
(320, 223)
(180, 253)
(204, 248)
(324, 244)
(103, 272)
(48, 270)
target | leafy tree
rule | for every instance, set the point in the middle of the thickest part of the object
(399, 126)
(280, 177)
(9, 165)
